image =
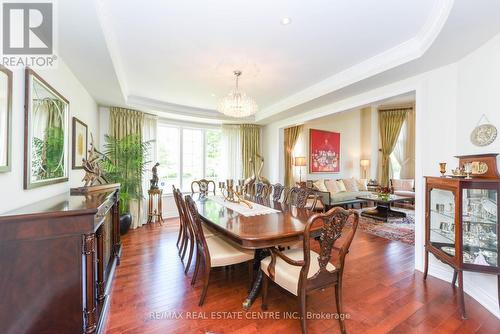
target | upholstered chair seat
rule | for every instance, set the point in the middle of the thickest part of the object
(208, 233)
(302, 270)
(286, 275)
(213, 251)
(224, 254)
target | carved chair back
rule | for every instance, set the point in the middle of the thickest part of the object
(178, 205)
(330, 226)
(203, 187)
(183, 218)
(277, 191)
(261, 190)
(287, 197)
(299, 197)
(195, 221)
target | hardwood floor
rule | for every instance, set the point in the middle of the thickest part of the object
(382, 294)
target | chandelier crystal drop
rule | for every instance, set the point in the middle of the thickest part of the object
(237, 104)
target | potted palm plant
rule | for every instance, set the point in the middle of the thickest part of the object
(124, 163)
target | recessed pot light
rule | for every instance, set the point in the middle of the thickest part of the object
(286, 20)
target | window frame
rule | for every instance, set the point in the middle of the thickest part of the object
(181, 126)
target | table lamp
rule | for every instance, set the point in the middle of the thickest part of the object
(300, 162)
(364, 163)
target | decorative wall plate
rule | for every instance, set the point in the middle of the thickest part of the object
(483, 135)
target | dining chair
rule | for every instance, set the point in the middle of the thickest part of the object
(302, 198)
(189, 234)
(214, 251)
(277, 191)
(182, 230)
(261, 190)
(289, 194)
(203, 186)
(302, 270)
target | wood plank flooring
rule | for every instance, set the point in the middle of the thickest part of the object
(382, 294)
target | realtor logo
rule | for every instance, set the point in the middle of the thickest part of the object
(28, 28)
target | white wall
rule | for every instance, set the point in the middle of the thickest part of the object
(82, 106)
(348, 124)
(449, 102)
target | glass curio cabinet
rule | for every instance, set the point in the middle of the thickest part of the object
(462, 227)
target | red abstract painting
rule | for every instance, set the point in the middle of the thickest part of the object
(324, 151)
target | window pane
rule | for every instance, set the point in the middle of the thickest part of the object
(192, 157)
(168, 157)
(212, 154)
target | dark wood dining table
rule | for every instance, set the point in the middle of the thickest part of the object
(255, 232)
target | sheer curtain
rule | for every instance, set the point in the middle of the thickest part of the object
(399, 152)
(404, 150)
(231, 152)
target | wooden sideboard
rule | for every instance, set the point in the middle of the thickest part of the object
(57, 260)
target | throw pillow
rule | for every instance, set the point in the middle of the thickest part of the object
(351, 184)
(340, 185)
(331, 186)
(320, 185)
(363, 184)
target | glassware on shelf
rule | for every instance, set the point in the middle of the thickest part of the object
(479, 227)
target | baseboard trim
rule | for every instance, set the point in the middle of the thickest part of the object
(474, 290)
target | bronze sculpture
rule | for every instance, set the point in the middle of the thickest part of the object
(92, 166)
(260, 178)
(154, 181)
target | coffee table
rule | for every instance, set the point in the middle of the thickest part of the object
(383, 210)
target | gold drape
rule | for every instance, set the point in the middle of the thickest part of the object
(250, 146)
(408, 170)
(390, 123)
(291, 136)
(124, 122)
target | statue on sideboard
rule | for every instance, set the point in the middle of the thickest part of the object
(154, 181)
(92, 166)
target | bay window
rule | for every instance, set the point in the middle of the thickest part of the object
(186, 154)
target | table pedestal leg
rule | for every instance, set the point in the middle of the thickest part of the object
(257, 284)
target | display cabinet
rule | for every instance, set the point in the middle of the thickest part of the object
(462, 227)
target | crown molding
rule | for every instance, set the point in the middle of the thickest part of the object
(188, 113)
(403, 53)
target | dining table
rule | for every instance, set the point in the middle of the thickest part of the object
(258, 232)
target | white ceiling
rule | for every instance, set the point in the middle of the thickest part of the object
(177, 57)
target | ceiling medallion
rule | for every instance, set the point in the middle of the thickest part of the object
(236, 103)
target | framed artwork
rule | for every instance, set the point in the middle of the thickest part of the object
(79, 143)
(46, 133)
(5, 119)
(324, 151)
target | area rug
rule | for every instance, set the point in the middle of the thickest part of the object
(398, 229)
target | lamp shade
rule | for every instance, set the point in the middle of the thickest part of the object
(364, 163)
(300, 161)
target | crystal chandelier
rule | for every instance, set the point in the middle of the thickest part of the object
(237, 103)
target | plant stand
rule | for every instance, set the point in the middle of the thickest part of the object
(154, 210)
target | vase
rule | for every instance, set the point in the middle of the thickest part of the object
(125, 223)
